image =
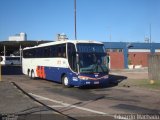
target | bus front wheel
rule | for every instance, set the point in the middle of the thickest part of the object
(65, 81)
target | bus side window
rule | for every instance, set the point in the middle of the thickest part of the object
(64, 51)
(39, 52)
(53, 51)
(47, 52)
(29, 53)
(61, 51)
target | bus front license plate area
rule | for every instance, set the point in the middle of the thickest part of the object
(96, 82)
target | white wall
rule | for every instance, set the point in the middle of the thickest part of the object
(18, 37)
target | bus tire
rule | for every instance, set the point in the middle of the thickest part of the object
(32, 74)
(28, 72)
(65, 81)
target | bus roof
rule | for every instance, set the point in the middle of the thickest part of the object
(64, 41)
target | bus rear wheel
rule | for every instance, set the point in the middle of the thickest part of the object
(65, 81)
(28, 72)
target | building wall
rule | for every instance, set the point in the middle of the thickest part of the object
(137, 52)
(138, 58)
(134, 58)
(116, 60)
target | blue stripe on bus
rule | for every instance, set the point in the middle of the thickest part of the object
(55, 73)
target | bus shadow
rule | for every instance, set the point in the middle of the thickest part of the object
(11, 70)
(114, 80)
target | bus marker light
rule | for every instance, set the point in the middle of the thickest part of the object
(75, 79)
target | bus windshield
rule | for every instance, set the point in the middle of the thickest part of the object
(92, 58)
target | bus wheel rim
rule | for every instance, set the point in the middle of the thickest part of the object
(32, 74)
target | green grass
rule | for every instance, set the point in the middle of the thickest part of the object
(144, 83)
(147, 84)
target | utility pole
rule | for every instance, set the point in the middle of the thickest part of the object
(0, 73)
(150, 29)
(75, 21)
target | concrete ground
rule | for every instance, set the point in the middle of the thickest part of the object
(141, 73)
(133, 76)
(82, 104)
(14, 104)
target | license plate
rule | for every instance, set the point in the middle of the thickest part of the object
(96, 82)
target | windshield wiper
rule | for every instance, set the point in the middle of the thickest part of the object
(101, 68)
(95, 68)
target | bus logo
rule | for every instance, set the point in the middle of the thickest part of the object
(96, 75)
(40, 72)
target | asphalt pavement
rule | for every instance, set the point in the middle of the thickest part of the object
(16, 105)
(16, 101)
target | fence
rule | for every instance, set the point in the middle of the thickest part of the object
(154, 67)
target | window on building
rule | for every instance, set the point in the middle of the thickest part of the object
(114, 50)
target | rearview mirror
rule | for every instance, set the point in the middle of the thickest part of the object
(1, 59)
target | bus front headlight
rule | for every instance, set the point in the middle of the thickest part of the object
(83, 77)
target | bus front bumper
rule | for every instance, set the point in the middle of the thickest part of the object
(101, 82)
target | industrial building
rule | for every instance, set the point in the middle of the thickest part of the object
(130, 55)
(18, 37)
(122, 55)
(13, 47)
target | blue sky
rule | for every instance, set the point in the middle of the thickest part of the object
(102, 20)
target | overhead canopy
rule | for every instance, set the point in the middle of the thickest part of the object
(13, 46)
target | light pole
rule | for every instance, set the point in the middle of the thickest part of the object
(0, 72)
(75, 21)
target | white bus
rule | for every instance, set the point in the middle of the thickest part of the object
(72, 63)
(10, 60)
